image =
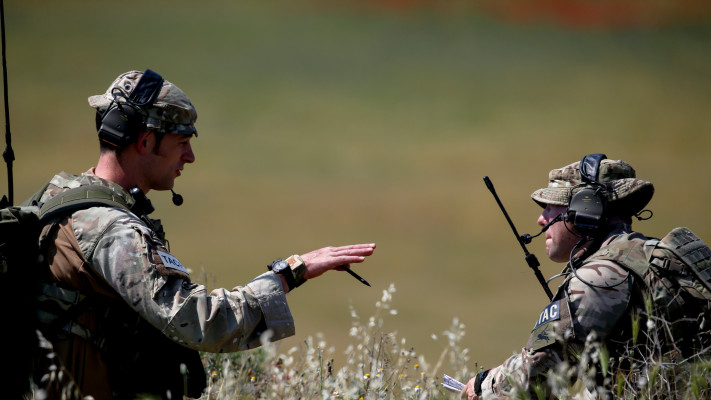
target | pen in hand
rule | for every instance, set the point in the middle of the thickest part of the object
(353, 274)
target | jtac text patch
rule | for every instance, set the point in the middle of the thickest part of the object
(550, 313)
(171, 262)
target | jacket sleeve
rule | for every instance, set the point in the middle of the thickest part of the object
(128, 255)
(518, 372)
(582, 309)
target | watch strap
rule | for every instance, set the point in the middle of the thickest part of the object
(286, 272)
(298, 268)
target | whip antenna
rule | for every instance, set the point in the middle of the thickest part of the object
(8, 155)
(531, 259)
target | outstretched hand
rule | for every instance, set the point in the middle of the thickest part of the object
(321, 260)
(468, 392)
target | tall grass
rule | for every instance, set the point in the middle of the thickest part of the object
(381, 365)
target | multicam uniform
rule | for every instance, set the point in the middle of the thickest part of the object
(576, 311)
(112, 255)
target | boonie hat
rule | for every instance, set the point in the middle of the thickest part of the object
(171, 112)
(627, 195)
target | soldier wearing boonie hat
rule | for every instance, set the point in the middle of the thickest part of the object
(628, 195)
(170, 112)
(141, 320)
(596, 299)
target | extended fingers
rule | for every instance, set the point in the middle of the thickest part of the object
(353, 250)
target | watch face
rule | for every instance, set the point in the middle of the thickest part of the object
(280, 266)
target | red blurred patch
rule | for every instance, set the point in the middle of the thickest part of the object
(603, 13)
(576, 14)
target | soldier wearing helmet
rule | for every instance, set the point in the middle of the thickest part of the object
(121, 311)
(586, 205)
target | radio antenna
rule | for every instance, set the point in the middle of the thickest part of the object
(8, 155)
(531, 259)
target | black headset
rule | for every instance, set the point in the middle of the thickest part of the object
(587, 210)
(123, 121)
(587, 206)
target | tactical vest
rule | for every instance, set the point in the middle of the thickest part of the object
(676, 274)
(139, 358)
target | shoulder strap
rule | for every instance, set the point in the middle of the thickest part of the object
(34, 200)
(627, 251)
(81, 197)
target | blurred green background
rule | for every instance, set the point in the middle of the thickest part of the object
(329, 123)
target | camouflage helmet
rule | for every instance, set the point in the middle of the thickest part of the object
(626, 194)
(171, 112)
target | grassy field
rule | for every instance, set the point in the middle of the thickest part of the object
(328, 125)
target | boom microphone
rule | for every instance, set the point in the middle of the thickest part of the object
(526, 238)
(177, 199)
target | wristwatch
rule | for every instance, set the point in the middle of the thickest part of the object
(292, 269)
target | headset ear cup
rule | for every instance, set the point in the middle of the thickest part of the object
(123, 122)
(587, 207)
(120, 126)
(586, 210)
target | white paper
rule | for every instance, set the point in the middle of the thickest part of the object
(452, 384)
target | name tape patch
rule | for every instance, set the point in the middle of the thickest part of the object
(171, 262)
(550, 313)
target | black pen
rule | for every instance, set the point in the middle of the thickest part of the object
(353, 274)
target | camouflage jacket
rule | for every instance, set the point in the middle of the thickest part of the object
(112, 253)
(578, 312)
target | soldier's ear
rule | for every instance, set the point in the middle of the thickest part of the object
(146, 141)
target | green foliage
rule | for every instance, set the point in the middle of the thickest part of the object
(604, 359)
(700, 380)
